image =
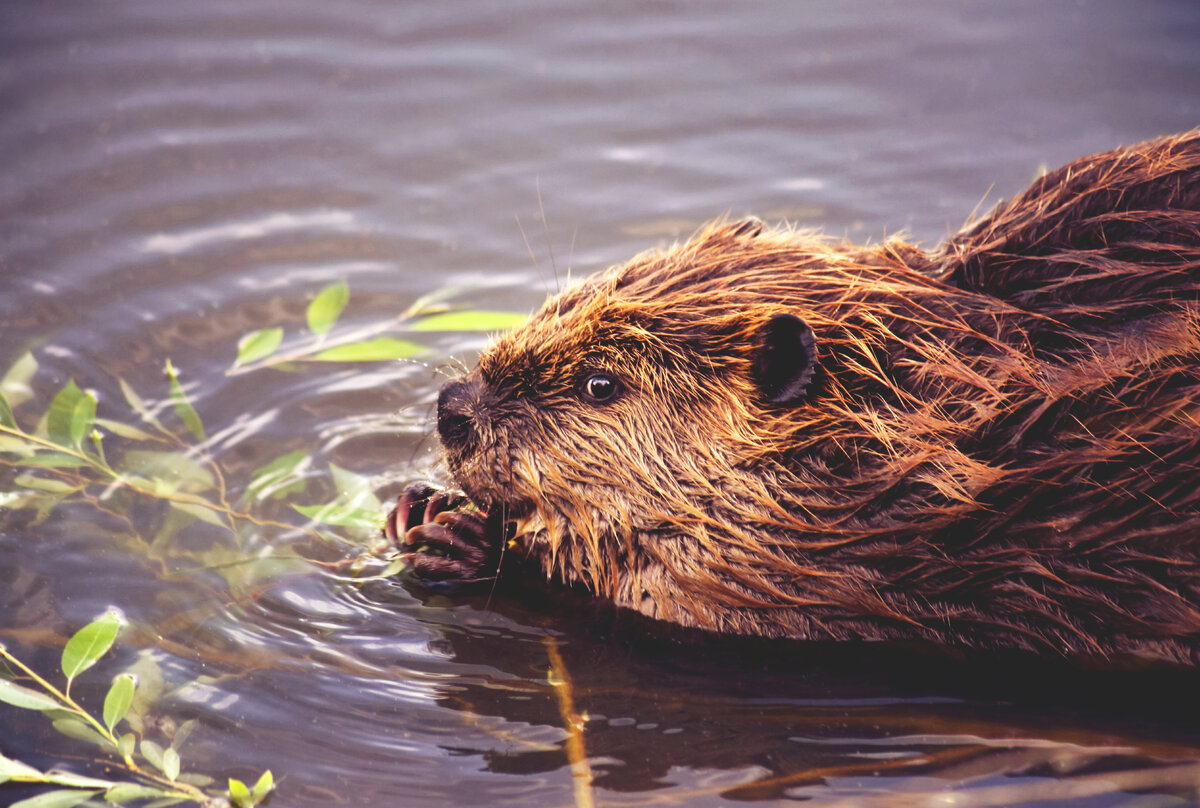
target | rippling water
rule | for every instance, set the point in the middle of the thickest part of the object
(176, 175)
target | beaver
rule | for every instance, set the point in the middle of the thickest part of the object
(762, 431)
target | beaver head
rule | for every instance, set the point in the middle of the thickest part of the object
(673, 434)
(761, 431)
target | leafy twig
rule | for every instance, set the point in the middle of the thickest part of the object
(365, 344)
(80, 653)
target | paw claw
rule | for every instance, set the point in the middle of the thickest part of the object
(443, 544)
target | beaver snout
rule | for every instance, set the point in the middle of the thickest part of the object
(457, 403)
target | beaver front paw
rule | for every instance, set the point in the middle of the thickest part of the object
(448, 542)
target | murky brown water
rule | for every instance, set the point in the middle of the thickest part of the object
(175, 175)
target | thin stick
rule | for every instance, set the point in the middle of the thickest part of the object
(581, 772)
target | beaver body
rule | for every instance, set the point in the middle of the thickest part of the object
(993, 444)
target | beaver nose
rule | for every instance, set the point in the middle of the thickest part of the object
(455, 423)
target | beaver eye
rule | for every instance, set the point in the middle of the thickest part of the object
(599, 388)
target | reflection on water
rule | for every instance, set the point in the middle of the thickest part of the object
(178, 175)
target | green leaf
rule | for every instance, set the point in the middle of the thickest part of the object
(20, 772)
(167, 802)
(59, 798)
(257, 345)
(372, 350)
(15, 445)
(432, 303)
(354, 487)
(264, 786)
(15, 384)
(61, 712)
(183, 408)
(170, 763)
(153, 753)
(394, 566)
(126, 744)
(183, 731)
(355, 505)
(43, 484)
(159, 548)
(55, 460)
(65, 778)
(6, 416)
(125, 430)
(89, 644)
(169, 471)
(82, 417)
(128, 792)
(138, 405)
(280, 477)
(239, 793)
(119, 697)
(80, 730)
(470, 321)
(202, 512)
(61, 414)
(327, 306)
(150, 687)
(18, 696)
(335, 513)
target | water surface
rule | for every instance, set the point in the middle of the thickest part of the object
(176, 175)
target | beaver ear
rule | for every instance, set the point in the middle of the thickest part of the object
(785, 355)
(749, 227)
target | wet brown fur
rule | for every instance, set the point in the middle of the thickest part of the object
(999, 447)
